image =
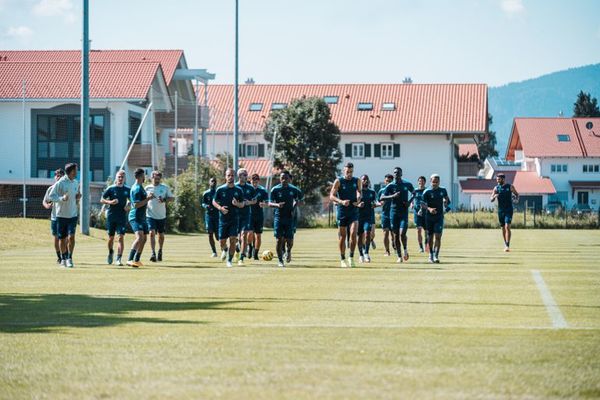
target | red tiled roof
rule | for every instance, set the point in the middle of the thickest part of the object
(424, 108)
(62, 80)
(538, 137)
(257, 166)
(169, 59)
(468, 149)
(526, 182)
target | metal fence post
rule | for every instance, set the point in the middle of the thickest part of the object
(525, 215)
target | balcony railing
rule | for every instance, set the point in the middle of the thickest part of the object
(185, 118)
(141, 155)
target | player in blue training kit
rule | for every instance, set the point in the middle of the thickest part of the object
(116, 197)
(244, 218)
(346, 192)
(399, 193)
(419, 214)
(366, 218)
(211, 214)
(435, 202)
(257, 217)
(284, 198)
(504, 193)
(295, 218)
(137, 218)
(228, 200)
(385, 216)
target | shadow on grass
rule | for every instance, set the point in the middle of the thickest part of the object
(40, 313)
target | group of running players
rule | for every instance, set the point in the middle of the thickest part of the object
(234, 214)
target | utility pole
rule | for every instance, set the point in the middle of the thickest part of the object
(85, 125)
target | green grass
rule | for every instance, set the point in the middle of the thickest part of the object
(473, 326)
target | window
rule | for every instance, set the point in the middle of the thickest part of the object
(252, 150)
(278, 106)
(559, 168)
(256, 107)
(388, 107)
(387, 150)
(364, 106)
(563, 138)
(591, 168)
(358, 150)
(135, 121)
(331, 99)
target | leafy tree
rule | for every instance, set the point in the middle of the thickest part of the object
(307, 145)
(586, 106)
(487, 146)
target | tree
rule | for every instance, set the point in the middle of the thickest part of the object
(487, 146)
(307, 145)
(586, 106)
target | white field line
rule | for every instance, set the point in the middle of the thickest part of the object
(558, 321)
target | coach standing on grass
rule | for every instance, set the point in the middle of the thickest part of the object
(65, 193)
(137, 218)
(156, 213)
(48, 204)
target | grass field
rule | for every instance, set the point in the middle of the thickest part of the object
(475, 326)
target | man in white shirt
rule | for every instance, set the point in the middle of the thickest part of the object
(156, 213)
(65, 194)
(59, 173)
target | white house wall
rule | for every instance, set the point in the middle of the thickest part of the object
(560, 180)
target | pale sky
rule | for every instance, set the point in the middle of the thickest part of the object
(329, 41)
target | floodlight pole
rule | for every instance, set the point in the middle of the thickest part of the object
(85, 125)
(176, 140)
(23, 88)
(235, 92)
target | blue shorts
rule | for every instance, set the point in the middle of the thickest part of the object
(115, 226)
(283, 228)
(137, 226)
(244, 222)
(211, 223)
(66, 227)
(54, 227)
(157, 225)
(365, 226)
(434, 225)
(399, 221)
(505, 217)
(257, 224)
(419, 220)
(347, 218)
(228, 229)
(386, 223)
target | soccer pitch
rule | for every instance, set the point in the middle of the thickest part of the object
(482, 324)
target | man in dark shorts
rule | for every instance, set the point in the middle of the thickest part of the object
(211, 214)
(366, 220)
(399, 192)
(137, 218)
(346, 193)
(116, 197)
(385, 216)
(418, 213)
(435, 202)
(49, 205)
(257, 216)
(284, 198)
(228, 200)
(505, 192)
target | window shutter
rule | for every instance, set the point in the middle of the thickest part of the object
(348, 150)
(367, 150)
(241, 151)
(377, 150)
(396, 150)
(261, 150)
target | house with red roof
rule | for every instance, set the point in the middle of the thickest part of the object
(40, 110)
(415, 126)
(565, 151)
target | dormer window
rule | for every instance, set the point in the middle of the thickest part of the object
(563, 138)
(278, 106)
(364, 106)
(331, 99)
(256, 107)
(388, 106)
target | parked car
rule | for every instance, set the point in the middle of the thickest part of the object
(581, 209)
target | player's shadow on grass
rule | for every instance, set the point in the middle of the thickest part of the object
(41, 313)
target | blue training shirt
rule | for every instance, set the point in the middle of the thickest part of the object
(260, 194)
(366, 213)
(224, 196)
(117, 212)
(137, 194)
(504, 196)
(387, 204)
(248, 192)
(288, 194)
(347, 191)
(417, 199)
(434, 198)
(400, 203)
(207, 198)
